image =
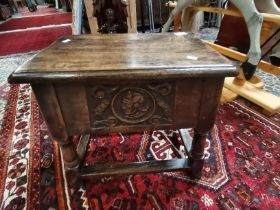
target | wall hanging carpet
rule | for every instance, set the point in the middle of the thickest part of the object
(241, 170)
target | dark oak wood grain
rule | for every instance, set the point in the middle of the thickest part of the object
(109, 169)
(125, 56)
(126, 83)
(47, 100)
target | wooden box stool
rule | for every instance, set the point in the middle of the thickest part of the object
(126, 83)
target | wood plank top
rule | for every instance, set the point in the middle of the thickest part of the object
(124, 55)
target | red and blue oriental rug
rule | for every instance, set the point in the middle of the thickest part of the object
(242, 169)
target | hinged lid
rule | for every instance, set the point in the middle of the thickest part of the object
(134, 56)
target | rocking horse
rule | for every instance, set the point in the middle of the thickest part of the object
(253, 19)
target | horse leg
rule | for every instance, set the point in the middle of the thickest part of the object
(269, 6)
(254, 21)
(181, 4)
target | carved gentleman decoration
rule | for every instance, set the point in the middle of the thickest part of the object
(117, 106)
(111, 15)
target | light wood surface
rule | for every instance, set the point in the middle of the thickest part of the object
(267, 17)
(91, 19)
(227, 96)
(132, 17)
(269, 102)
(265, 66)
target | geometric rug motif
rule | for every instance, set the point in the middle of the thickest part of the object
(241, 168)
(214, 173)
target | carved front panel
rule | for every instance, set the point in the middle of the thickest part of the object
(134, 105)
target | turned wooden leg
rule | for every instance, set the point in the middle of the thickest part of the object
(197, 153)
(71, 161)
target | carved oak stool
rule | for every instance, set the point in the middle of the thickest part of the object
(126, 83)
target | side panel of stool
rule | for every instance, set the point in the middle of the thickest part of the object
(74, 107)
(51, 111)
(187, 102)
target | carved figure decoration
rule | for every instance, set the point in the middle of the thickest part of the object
(111, 15)
(117, 106)
(253, 19)
(133, 105)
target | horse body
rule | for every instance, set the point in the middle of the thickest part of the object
(253, 19)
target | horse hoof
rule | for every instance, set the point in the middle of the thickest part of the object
(274, 60)
(248, 70)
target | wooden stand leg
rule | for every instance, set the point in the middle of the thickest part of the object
(177, 22)
(71, 161)
(197, 153)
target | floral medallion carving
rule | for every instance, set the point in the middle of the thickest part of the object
(133, 105)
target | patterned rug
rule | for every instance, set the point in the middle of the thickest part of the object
(241, 170)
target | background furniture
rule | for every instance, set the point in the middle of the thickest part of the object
(20, 3)
(131, 16)
(5, 12)
(7, 8)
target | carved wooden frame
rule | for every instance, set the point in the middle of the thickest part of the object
(131, 18)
